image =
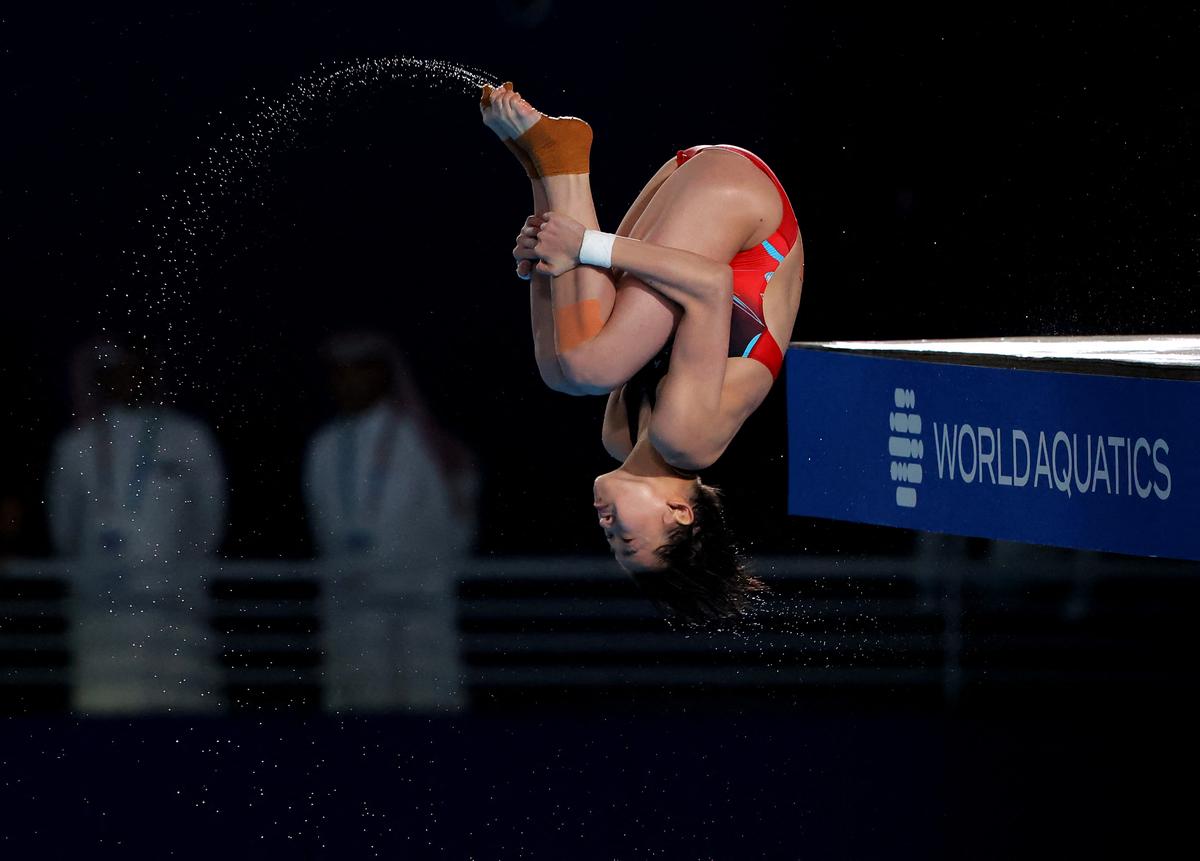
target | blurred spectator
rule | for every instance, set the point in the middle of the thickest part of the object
(136, 498)
(391, 499)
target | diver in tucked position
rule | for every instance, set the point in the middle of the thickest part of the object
(672, 318)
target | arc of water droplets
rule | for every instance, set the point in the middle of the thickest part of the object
(185, 229)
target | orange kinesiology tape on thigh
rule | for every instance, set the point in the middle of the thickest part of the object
(558, 145)
(575, 324)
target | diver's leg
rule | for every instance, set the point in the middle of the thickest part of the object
(492, 120)
(541, 313)
(582, 300)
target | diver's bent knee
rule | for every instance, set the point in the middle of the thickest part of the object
(562, 385)
(681, 450)
(587, 375)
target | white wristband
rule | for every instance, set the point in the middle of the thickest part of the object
(597, 249)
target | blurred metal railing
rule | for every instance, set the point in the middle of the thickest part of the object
(554, 631)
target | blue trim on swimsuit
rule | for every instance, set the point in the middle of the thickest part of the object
(772, 250)
(750, 346)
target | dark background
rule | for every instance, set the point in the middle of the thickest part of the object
(991, 172)
(963, 174)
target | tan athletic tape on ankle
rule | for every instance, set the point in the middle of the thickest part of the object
(558, 145)
(578, 323)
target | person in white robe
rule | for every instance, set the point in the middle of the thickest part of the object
(390, 499)
(136, 506)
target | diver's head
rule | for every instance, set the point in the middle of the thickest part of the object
(639, 512)
(670, 534)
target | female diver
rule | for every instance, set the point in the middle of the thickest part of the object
(671, 317)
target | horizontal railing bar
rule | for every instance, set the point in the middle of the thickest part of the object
(670, 642)
(599, 568)
(728, 676)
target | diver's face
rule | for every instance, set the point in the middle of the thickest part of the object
(636, 520)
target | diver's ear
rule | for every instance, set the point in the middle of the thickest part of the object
(681, 512)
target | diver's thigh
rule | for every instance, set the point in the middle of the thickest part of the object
(640, 325)
(714, 205)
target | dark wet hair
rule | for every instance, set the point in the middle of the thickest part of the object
(706, 576)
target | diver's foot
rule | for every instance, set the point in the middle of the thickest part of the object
(505, 112)
(552, 145)
(509, 116)
(558, 145)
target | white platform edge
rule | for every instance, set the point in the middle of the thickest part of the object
(1159, 350)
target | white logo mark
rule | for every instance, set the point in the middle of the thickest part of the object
(905, 442)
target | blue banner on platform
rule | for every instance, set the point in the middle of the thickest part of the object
(1068, 459)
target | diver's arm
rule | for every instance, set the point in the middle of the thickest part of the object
(615, 433)
(699, 410)
(683, 426)
(689, 279)
(684, 277)
(686, 429)
(706, 396)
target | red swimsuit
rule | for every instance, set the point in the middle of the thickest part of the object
(752, 270)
